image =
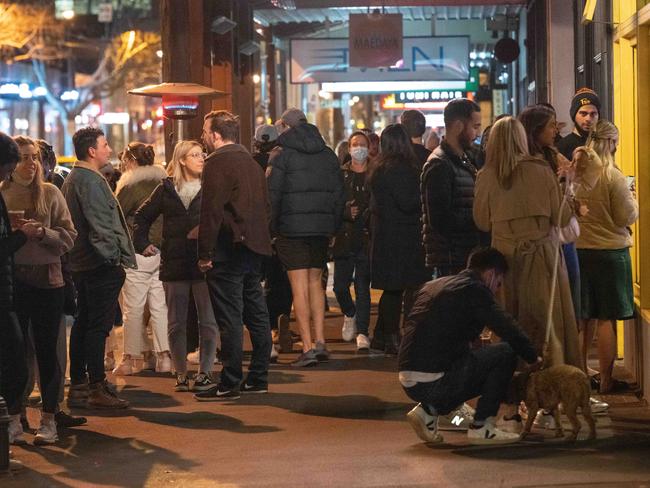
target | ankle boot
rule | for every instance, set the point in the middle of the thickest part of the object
(78, 395)
(101, 396)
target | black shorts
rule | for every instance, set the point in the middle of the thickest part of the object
(302, 252)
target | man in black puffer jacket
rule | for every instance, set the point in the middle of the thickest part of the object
(307, 200)
(448, 177)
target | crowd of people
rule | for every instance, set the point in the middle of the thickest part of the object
(221, 238)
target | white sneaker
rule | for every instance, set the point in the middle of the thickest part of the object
(544, 420)
(424, 425)
(125, 368)
(512, 425)
(194, 357)
(458, 419)
(488, 434)
(16, 431)
(598, 407)
(46, 433)
(349, 328)
(163, 362)
(149, 361)
(363, 343)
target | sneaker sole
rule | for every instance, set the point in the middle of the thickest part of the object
(217, 398)
(254, 392)
(416, 424)
(181, 389)
(18, 442)
(492, 442)
(310, 364)
(39, 441)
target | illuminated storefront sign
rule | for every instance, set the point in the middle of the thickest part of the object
(425, 59)
(393, 101)
(428, 96)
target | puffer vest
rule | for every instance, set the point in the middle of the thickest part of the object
(451, 247)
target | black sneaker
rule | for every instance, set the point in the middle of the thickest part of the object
(182, 383)
(246, 388)
(217, 394)
(202, 382)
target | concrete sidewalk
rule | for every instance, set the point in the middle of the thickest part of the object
(340, 424)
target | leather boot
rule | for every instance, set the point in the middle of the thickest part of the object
(78, 396)
(101, 396)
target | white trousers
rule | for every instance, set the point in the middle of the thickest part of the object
(142, 301)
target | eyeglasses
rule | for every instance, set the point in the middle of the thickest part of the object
(197, 155)
(28, 157)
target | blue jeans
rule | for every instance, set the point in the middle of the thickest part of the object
(573, 270)
(486, 372)
(354, 267)
(237, 298)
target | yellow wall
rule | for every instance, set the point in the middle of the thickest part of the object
(631, 77)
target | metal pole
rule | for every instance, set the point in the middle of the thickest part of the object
(179, 130)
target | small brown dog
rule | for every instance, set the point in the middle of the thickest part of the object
(564, 384)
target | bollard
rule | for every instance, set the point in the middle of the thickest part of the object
(4, 437)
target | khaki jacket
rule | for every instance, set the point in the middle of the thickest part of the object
(612, 208)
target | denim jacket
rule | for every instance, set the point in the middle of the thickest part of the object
(103, 234)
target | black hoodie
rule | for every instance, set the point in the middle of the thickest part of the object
(305, 185)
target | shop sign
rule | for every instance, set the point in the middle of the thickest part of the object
(428, 96)
(423, 59)
(375, 40)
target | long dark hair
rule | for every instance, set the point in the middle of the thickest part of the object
(534, 118)
(395, 149)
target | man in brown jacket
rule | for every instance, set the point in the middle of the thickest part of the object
(233, 240)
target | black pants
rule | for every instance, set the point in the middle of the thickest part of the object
(486, 372)
(237, 297)
(389, 312)
(97, 291)
(277, 289)
(43, 308)
(13, 367)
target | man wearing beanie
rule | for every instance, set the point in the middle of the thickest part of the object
(585, 112)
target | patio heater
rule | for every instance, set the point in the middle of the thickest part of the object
(180, 102)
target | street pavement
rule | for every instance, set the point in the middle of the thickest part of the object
(340, 424)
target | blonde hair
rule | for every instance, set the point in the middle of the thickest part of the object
(175, 168)
(37, 186)
(505, 148)
(601, 141)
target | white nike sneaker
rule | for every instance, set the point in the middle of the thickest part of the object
(598, 407)
(458, 419)
(488, 434)
(424, 424)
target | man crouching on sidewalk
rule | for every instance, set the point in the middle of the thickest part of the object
(436, 365)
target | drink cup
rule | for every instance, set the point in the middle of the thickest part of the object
(15, 216)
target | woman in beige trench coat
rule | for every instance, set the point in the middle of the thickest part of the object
(518, 199)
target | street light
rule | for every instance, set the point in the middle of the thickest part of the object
(68, 14)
